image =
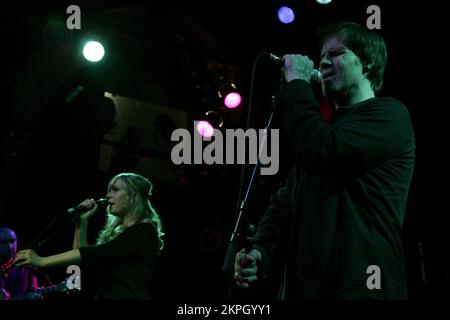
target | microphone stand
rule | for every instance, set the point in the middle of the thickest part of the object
(52, 235)
(228, 264)
(232, 246)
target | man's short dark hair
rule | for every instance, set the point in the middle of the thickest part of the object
(367, 45)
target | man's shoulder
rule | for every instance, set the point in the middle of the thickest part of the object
(386, 103)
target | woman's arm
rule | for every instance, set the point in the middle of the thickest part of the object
(80, 236)
(63, 259)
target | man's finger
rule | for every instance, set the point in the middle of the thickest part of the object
(247, 272)
(247, 260)
(244, 280)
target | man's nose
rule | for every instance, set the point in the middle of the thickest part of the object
(324, 63)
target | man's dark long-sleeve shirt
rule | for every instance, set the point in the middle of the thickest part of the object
(342, 208)
(19, 281)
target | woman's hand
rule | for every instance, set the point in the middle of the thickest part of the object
(91, 207)
(25, 257)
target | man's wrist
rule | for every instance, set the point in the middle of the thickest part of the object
(290, 78)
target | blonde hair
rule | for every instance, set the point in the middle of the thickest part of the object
(140, 189)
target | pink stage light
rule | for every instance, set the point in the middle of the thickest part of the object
(205, 129)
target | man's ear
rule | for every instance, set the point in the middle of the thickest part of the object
(367, 68)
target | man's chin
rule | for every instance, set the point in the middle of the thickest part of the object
(329, 92)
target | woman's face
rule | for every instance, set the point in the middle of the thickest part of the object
(119, 199)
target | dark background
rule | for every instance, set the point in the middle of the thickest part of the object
(168, 53)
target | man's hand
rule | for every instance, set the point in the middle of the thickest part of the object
(246, 267)
(297, 66)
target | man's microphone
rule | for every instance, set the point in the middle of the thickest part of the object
(80, 209)
(316, 75)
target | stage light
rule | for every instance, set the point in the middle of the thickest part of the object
(93, 51)
(323, 1)
(231, 98)
(212, 120)
(286, 15)
(205, 129)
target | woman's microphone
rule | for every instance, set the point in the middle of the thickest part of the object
(80, 209)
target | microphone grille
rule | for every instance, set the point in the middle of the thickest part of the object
(316, 75)
(102, 201)
(275, 58)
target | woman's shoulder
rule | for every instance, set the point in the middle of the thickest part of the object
(143, 227)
